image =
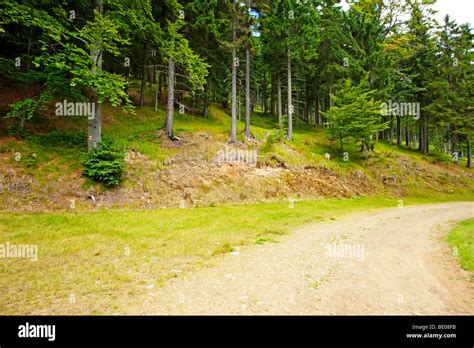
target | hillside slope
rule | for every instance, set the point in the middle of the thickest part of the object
(43, 172)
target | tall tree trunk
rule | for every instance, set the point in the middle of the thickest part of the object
(364, 149)
(420, 135)
(238, 107)
(330, 96)
(170, 106)
(264, 94)
(143, 84)
(424, 141)
(306, 106)
(427, 138)
(318, 110)
(272, 97)
(156, 98)
(399, 130)
(391, 131)
(290, 105)
(151, 76)
(407, 135)
(156, 71)
(205, 110)
(455, 150)
(252, 103)
(161, 81)
(297, 106)
(233, 130)
(280, 116)
(469, 154)
(257, 99)
(247, 92)
(94, 127)
(29, 50)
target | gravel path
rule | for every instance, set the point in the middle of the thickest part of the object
(392, 261)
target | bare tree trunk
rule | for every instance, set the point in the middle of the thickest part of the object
(424, 142)
(156, 98)
(280, 118)
(306, 107)
(233, 130)
(161, 82)
(170, 107)
(455, 150)
(407, 135)
(151, 76)
(391, 130)
(298, 98)
(29, 50)
(94, 127)
(257, 99)
(318, 110)
(290, 106)
(247, 93)
(331, 93)
(272, 97)
(420, 134)
(427, 139)
(143, 84)
(399, 130)
(205, 110)
(364, 149)
(238, 106)
(469, 154)
(264, 93)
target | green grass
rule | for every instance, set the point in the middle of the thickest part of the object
(59, 152)
(461, 240)
(84, 253)
(111, 258)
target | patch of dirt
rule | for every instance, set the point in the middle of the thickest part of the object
(192, 176)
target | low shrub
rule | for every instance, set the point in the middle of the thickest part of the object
(104, 165)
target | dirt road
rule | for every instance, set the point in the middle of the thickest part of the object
(392, 261)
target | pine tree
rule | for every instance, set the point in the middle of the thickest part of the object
(355, 115)
(451, 86)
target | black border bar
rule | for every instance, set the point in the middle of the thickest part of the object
(241, 330)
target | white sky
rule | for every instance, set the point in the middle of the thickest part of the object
(460, 10)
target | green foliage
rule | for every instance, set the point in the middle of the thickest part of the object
(71, 55)
(7, 68)
(18, 132)
(355, 115)
(274, 138)
(22, 110)
(451, 85)
(397, 44)
(31, 160)
(104, 165)
(60, 139)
